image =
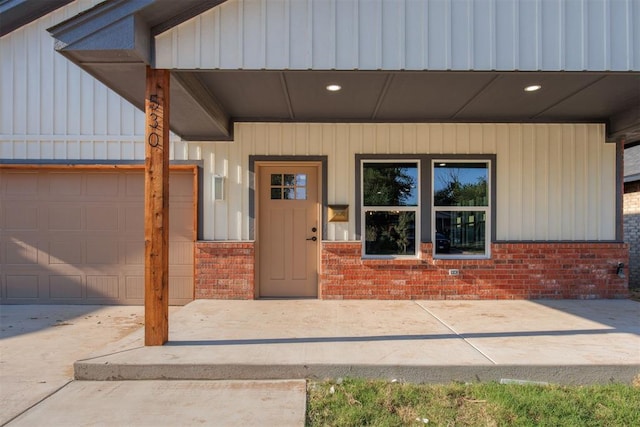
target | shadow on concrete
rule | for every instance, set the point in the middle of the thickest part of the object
(374, 338)
(620, 315)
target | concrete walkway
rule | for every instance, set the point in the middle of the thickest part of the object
(244, 362)
(39, 343)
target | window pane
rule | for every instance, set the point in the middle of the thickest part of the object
(301, 193)
(276, 193)
(289, 194)
(460, 233)
(289, 180)
(460, 184)
(390, 184)
(301, 179)
(276, 179)
(390, 233)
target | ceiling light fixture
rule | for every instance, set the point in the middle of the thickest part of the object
(333, 87)
(532, 88)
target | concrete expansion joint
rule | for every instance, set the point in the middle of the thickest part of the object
(36, 403)
(446, 325)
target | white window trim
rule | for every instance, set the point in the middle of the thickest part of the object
(486, 209)
(416, 209)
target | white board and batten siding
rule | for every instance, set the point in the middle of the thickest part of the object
(51, 109)
(554, 181)
(531, 35)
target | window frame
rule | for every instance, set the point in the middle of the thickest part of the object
(416, 209)
(425, 197)
(489, 209)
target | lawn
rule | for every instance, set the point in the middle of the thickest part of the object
(355, 402)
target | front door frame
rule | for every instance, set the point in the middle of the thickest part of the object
(255, 162)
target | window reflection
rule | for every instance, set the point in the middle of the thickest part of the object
(289, 194)
(460, 232)
(288, 186)
(276, 179)
(460, 184)
(390, 233)
(390, 184)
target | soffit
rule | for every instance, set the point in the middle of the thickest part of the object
(381, 96)
(205, 102)
(423, 96)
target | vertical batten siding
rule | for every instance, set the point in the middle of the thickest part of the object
(51, 109)
(554, 181)
(595, 35)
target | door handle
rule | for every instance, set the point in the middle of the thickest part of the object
(313, 239)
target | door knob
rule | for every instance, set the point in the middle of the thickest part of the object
(313, 239)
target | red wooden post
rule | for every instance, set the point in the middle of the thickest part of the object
(156, 208)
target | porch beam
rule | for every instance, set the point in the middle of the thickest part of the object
(195, 106)
(156, 208)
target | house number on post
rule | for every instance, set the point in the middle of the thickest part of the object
(154, 138)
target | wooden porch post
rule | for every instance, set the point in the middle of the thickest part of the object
(156, 208)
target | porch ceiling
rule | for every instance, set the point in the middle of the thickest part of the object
(114, 41)
(205, 103)
(407, 96)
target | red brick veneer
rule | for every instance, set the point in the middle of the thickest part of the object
(515, 271)
(224, 270)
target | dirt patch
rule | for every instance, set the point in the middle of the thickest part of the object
(120, 326)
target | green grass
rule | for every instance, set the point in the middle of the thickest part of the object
(355, 402)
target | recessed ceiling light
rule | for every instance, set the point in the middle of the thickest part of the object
(333, 87)
(532, 88)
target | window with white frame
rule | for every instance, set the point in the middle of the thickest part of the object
(461, 208)
(390, 208)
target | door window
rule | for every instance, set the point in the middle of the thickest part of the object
(288, 186)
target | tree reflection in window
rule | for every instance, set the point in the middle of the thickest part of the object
(460, 184)
(390, 233)
(390, 199)
(390, 184)
(461, 205)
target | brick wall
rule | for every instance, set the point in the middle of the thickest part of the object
(224, 270)
(515, 271)
(632, 230)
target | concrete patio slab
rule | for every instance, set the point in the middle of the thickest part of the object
(603, 332)
(424, 341)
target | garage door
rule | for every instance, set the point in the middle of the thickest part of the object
(77, 236)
